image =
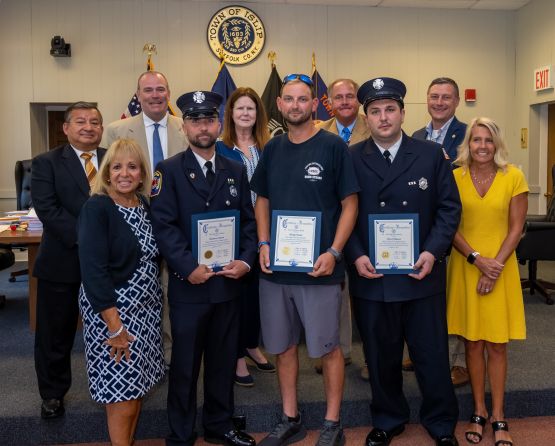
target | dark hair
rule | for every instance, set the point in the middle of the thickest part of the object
(81, 105)
(260, 129)
(445, 80)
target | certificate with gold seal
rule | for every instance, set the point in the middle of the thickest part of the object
(295, 242)
(215, 239)
(393, 242)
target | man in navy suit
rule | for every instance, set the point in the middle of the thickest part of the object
(204, 311)
(444, 128)
(447, 130)
(59, 188)
(397, 175)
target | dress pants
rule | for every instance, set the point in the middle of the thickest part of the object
(209, 330)
(249, 326)
(384, 326)
(57, 314)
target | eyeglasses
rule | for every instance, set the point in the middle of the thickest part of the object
(302, 77)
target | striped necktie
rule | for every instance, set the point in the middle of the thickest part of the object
(90, 170)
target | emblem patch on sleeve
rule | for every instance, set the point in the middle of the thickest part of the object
(156, 183)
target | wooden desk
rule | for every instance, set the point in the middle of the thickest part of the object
(32, 240)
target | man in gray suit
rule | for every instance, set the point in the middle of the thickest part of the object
(161, 136)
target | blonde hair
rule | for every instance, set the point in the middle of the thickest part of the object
(501, 157)
(121, 147)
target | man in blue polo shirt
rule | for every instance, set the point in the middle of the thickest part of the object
(306, 169)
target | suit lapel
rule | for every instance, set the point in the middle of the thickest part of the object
(403, 160)
(195, 175)
(174, 132)
(73, 165)
(373, 158)
(221, 176)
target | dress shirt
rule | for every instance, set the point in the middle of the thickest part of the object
(438, 135)
(392, 150)
(162, 131)
(340, 128)
(94, 158)
(202, 161)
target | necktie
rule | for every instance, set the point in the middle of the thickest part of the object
(157, 153)
(346, 134)
(387, 156)
(90, 170)
(210, 175)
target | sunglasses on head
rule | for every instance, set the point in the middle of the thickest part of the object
(302, 77)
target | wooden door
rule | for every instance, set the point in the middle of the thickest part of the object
(550, 151)
(56, 135)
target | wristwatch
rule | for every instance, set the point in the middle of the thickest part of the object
(338, 256)
(472, 257)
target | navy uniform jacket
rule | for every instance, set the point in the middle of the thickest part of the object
(183, 191)
(59, 188)
(453, 138)
(419, 181)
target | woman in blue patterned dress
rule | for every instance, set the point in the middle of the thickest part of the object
(120, 296)
(244, 136)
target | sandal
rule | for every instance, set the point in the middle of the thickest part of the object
(480, 421)
(501, 426)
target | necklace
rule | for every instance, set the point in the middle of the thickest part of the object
(484, 181)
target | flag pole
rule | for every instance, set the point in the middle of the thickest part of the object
(272, 56)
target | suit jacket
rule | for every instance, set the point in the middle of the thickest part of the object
(134, 128)
(59, 188)
(360, 130)
(183, 191)
(453, 138)
(109, 250)
(420, 181)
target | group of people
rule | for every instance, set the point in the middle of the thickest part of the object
(119, 246)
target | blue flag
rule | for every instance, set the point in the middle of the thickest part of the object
(224, 86)
(323, 112)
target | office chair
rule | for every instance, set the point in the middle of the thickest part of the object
(23, 199)
(7, 259)
(538, 243)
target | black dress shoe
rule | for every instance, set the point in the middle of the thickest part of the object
(447, 440)
(266, 367)
(231, 438)
(379, 437)
(52, 408)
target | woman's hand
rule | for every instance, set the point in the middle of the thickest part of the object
(120, 345)
(485, 285)
(489, 267)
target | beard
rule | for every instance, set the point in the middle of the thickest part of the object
(298, 120)
(203, 144)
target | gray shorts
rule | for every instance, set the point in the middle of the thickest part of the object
(286, 309)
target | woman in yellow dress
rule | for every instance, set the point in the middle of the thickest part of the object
(484, 296)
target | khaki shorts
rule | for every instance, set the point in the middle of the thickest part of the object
(286, 309)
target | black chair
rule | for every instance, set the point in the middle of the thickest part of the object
(538, 243)
(23, 199)
(7, 259)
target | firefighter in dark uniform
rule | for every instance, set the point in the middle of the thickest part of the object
(398, 174)
(204, 310)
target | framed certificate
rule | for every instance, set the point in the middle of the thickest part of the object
(215, 238)
(295, 242)
(393, 242)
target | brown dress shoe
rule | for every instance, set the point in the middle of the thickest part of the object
(459, 376)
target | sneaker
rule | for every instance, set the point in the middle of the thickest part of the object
(284, 433)
(331, 434)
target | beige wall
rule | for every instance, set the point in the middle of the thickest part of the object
(477, 48)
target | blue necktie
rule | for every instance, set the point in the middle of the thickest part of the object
(346, 134)
(157, 153)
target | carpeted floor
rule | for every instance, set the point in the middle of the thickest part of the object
(530, 392)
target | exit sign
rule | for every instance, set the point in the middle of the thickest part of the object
(542, 78)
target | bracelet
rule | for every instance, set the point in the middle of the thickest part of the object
(262, 243)
(115, 334)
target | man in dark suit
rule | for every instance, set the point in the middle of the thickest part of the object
(444, 128)
(204, 311)
(399, 175)
(447, 130)
(59, 188)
